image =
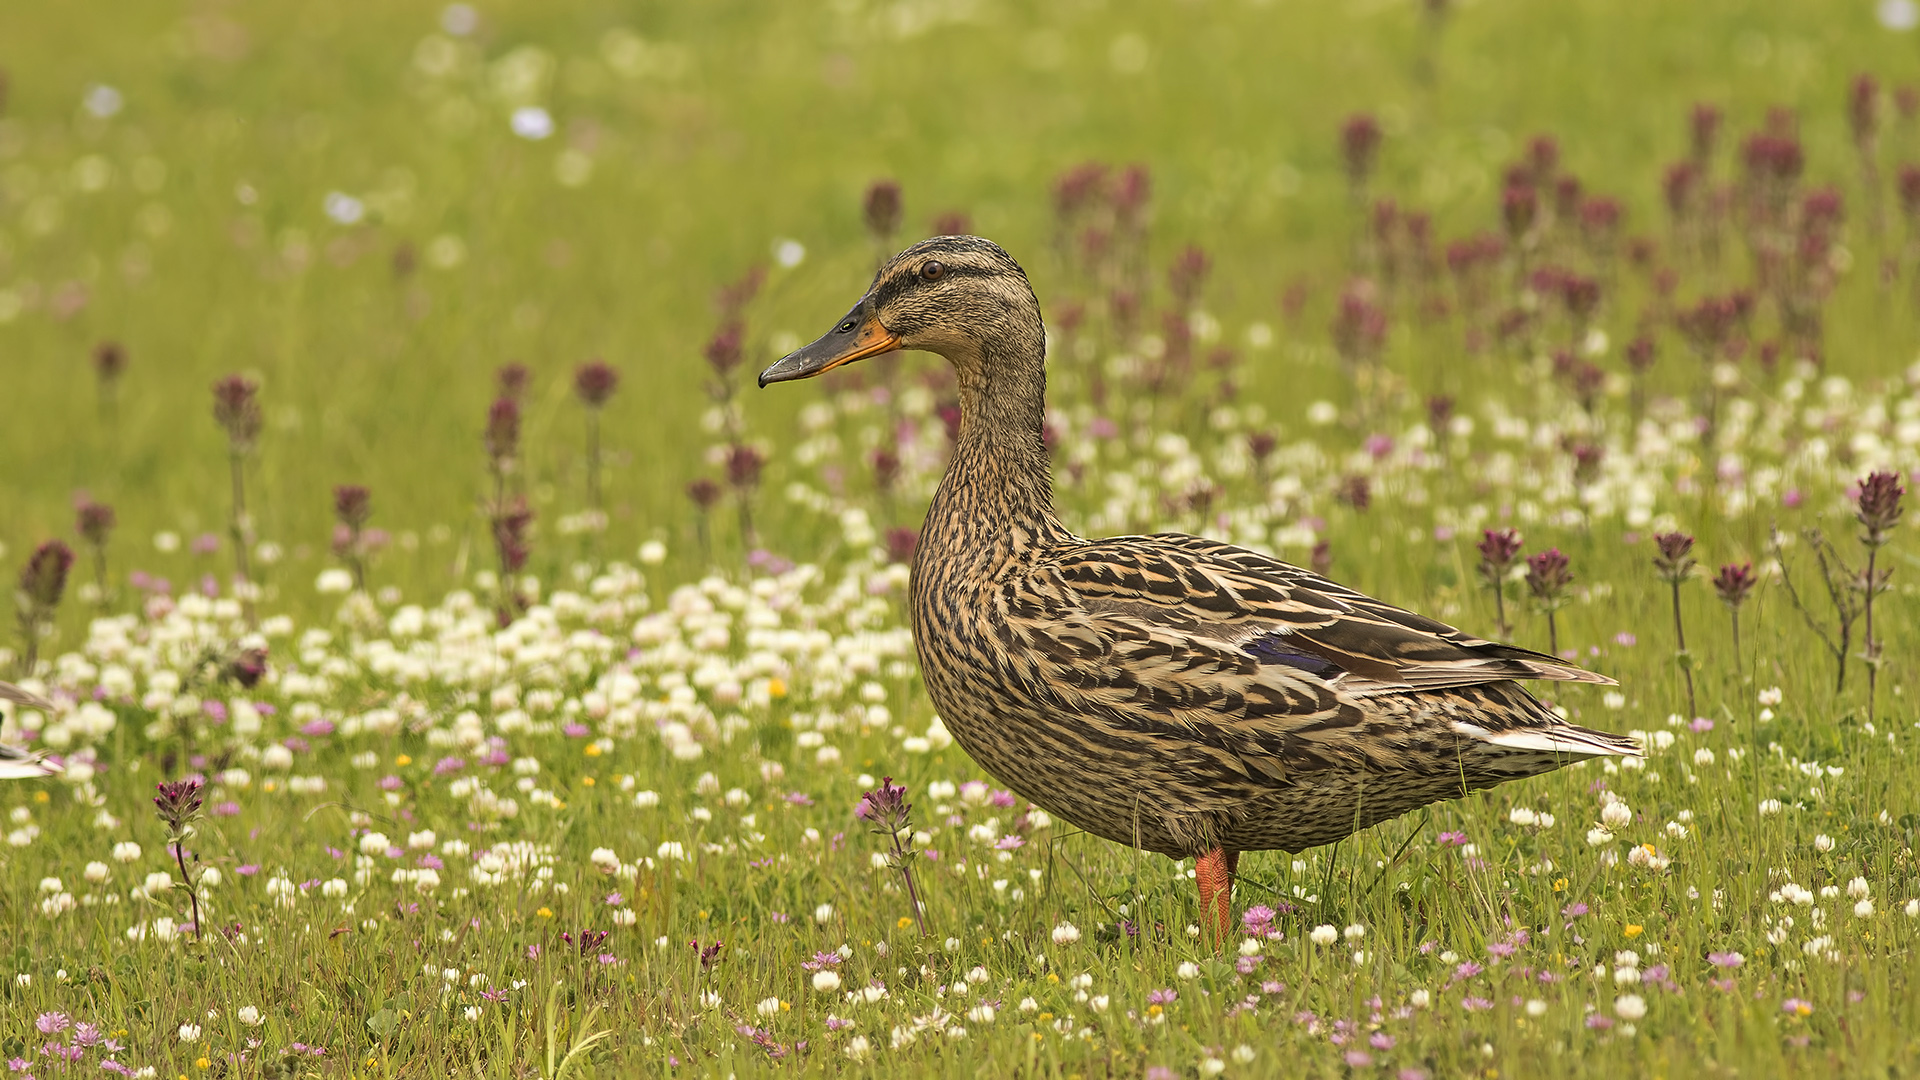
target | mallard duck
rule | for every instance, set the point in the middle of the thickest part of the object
(17, 762)
(1177, 694)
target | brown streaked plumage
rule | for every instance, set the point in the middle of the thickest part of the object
(1177, 694)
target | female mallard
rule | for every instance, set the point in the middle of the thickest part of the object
(1184, 696)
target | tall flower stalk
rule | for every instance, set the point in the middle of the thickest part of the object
(1732, 584)
(1673, 561)
(886, 808)
(883, 207)
(178, 804)
(1548, 576)
(94, 522)
(42, 582)
(352, 507)
(236, 407)
(593, 383)
(704, 492)
(1878, 510)
(1498, 549)
(109, 364)
(508, 519)
(725, 352)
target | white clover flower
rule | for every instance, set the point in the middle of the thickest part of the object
(1648, 857)
(126, 851)
(97, 872)
(671, 849)
(1324, 935)
(646, 800)
(1863, 909)
(333, 581)
(102, 100)
(248, 1015)
(1771, 696)
(826, 981)
(1100, 1002)
(1421, 998)
(1244, 1054)
(768, 1006)
(1616, 815)
(1912, 909)
(343, 208)
(859, 1047)
(1522, 816)
(1066, 934)
(1703, 756)
(1212, 1066)
(334, 888)
(532, 122)
(981, 1014)
(1536, 1008)
(1599, 837)
(374, 843)
(823, 913)
(1858, 889)
(1769, 807)
(977, 975)
(1187, 970)
(1630, 1007)
(189, 1033)
(421, 841)
(1356, 932)
(1822, 843)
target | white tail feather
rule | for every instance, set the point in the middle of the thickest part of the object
(1564, 739)
(18, 764)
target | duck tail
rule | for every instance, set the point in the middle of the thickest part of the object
(1559, 738)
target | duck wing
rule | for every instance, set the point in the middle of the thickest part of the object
(1284, 615)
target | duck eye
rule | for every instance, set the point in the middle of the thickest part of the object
(933, 271)
(847, 327)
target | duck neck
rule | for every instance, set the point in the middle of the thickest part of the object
(998, 491)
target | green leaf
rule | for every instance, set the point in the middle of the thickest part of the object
(383, 1023)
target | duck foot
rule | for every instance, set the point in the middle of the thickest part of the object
(1214, 873)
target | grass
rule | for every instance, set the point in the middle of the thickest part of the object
(756, 700)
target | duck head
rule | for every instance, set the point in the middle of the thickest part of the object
(959, 296)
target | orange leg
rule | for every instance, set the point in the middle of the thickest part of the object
(1214, 873)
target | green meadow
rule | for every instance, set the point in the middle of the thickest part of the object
(572, 793)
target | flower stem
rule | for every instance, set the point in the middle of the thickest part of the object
(913, 894)
(242, 530)
(1872, 646)
(193, 894)
(1685, 659)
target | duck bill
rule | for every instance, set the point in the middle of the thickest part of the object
(858, 336)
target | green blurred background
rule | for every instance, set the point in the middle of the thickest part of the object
(192, 223)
